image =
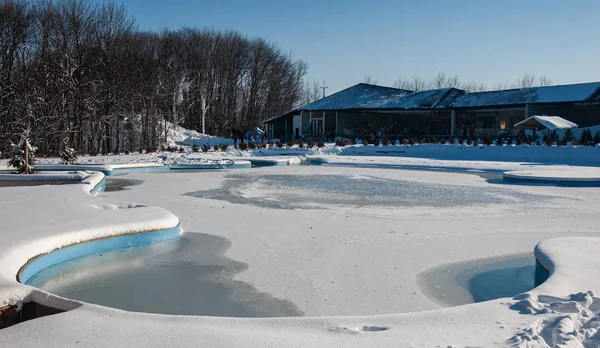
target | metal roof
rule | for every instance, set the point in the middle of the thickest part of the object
(580, 92)
(371, 97)
(354, 97)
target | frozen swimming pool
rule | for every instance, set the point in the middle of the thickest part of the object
(292, 191)
(186, 275)
(480, 280)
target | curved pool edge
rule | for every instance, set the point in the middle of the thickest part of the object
(94, 246)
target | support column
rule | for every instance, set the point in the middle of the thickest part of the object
(324, 131)
(453, 124)
(336, 125)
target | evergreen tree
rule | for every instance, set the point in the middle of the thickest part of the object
(68, 155)
(18, 159)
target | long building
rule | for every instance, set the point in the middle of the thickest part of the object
(365, 109)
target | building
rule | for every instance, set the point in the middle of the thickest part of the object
(365, 109)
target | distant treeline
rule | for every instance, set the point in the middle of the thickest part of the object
(84, 72)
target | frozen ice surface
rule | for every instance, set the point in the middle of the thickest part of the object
(294, 191)
(187, 275)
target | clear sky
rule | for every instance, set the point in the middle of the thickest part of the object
(345, 40)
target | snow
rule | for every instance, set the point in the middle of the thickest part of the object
(74, 176)
(550, 122)
(341, 265)
(565, 174)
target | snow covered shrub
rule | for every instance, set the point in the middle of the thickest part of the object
(311, 144)
(340, 143)
(279, 144)
(223, 146)
(68, 155)
(216, 147)
(181, 149)
(469, 142)
(151, 149)
(586, 137)
(289, 144)
(499, 142)
(413, 141)
(385, 142)
(321, 144)
(597, 138)
(195, 148)
(451, 140)
(17, 158)
(575, 142)
(365, 142)
(163, 148)
(252, 145)
(350, 141)
(300, 144)
(243, 146)
(205, 147)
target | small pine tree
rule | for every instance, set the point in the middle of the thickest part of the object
(568, 135)
(195, 148)
(17, 157)
(68, 155)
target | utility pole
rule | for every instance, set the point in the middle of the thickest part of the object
(324, 88)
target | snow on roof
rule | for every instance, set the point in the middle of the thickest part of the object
(550, 122)
(430, 99)
(365, 96)
(354, 97)
(549, 94)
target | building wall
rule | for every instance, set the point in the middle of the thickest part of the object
(584, 115)
(488, 122)
(394, 125)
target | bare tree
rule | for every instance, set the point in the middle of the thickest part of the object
(369, 80)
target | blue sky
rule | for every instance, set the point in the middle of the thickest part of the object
(343, 41)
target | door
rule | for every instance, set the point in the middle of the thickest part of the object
(297, 125)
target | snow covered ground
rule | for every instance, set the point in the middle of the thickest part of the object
(350, 267)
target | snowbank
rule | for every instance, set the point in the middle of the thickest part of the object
(74, 176)
(580, 156)
(578, 174)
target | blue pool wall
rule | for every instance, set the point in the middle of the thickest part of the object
(541, 273)
(41, 262)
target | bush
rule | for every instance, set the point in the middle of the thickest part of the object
(271, 145)
(311, 144)
(350, 141)
(597, 138)
(223, 146)
(181, 149)
(279, 144)
(385, 142)
(205, 147)
(290, 143)
(216, 147)
(340, 143)
(300, 144)
(372, 139)
(252, 145)
(499, 142)
(365, 142)
(195, 148)
(243, 146)
(586, 137)
(163, 148)
(151, 149)
(575, 142)
(568, 135)
(320, 144)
